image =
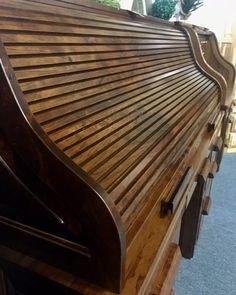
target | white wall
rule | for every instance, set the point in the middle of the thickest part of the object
(126, 4)
(217, 15)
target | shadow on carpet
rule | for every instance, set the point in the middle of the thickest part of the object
(212, 271)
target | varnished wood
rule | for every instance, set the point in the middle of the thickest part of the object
(167, 271)
(213, 57)
(203, 64)
(114, 115)
(25, 132)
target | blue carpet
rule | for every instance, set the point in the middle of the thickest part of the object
(212, 271)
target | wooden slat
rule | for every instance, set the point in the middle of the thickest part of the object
(39, 61)
(62, 49)
(72, 117)
(131, 195)
(85, 74)
(135, 195)
(120, 117)
(66, 32)
(85, 98)
(77, 93)
(162, 101)
(32, 73)
(47, 10)
(149, 130)
(18, 13)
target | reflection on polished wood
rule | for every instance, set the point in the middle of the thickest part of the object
(112, 127)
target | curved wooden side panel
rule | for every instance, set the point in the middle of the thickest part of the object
(214, 58)
(223, 64)
(210, 57)
(84, 201)
(203, 65)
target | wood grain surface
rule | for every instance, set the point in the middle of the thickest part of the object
(104, 114)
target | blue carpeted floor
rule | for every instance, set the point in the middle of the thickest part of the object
(212, 271)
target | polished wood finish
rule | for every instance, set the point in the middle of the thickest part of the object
(198, 54)
(47, 162)
(167, 271)
(110, 123)
(215, 59)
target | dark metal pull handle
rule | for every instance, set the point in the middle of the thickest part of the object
(218, 144)
(171, 203)
(211, 126)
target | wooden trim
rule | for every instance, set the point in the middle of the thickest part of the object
(35, 233)
(85, 199)
(225, 63)
(167, 271)
(218, 58)
(205, 68)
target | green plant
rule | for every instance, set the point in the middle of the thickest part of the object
(163, 8)
(111, 3)
(189, 6)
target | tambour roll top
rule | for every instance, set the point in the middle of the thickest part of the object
(114, 103)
